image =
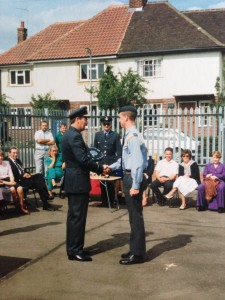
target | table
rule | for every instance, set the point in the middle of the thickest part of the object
(103, 181)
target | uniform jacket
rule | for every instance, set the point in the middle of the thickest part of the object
(77, 163)
(110, 146)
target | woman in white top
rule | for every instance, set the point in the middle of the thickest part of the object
(188, 178)
(7, 181)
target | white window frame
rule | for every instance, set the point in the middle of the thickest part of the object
(21, 117)
(205, 104)
(20, 75)
(150, 68)
(153, 109)
(95, 67)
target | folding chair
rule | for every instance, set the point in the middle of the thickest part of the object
(26, 191)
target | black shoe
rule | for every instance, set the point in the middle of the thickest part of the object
(131, 260)
(125, 255)
(80, 257)
(51, 197)
(220, 210)
(48, 207)
(200, 208)
(161, 203)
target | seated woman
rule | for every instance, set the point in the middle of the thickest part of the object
(7, 181)
(188, 178)
(55, 168)
(214, 171)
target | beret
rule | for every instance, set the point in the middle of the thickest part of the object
(80, 112)
(128, 108)
(106, 119)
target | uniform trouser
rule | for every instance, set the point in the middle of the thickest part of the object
(111, 192)
(134, 205)
(168, 185)
(39, 157)
(76, 222)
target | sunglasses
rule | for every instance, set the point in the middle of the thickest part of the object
(106, 124)
(185, 156)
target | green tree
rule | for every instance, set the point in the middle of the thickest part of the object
(116, 91)
(44, 101)
(132, 89)
(220, 90)
(108, 90)
(4, 103)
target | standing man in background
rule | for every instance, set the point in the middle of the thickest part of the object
(59, 136)
(77, 183)
(108, 142)
(43, 139)
(134, 162)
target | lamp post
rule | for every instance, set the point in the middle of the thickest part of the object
(89, 51)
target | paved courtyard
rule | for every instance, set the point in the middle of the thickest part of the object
(185, 256)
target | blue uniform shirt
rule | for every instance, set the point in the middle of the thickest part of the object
(134, 156)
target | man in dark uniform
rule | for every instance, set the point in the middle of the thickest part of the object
(108, 142)
(77, 183)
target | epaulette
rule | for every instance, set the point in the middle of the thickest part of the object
(130, 136)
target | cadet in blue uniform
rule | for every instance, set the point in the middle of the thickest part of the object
(108, 142)
(134, 162)
(77, 183)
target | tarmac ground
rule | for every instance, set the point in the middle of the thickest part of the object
(185, 255)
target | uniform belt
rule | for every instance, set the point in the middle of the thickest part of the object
(128, 172)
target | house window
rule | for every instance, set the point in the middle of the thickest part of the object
(20, 77)
(97, 71)
(150, 68)
(21, 117)
(204, 118)
(151, 114)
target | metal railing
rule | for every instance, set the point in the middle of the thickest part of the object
(200, 130)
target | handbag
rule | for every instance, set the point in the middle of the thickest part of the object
(7, 195)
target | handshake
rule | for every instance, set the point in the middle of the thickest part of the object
(106, 170)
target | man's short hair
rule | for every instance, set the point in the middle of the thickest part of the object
(12, 148)
(169, 149)
(43, 121)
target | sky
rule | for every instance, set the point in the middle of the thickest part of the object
(38, 14)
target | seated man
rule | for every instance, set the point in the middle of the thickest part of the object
(166, 171)
(25, 179)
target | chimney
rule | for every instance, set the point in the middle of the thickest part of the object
(137, 4)
(21, 33)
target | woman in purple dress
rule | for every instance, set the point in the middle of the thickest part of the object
(214, 170)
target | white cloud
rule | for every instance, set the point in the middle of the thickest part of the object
(218, 5)
(194, 8)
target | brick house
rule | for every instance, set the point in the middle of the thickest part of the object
(180, 54)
